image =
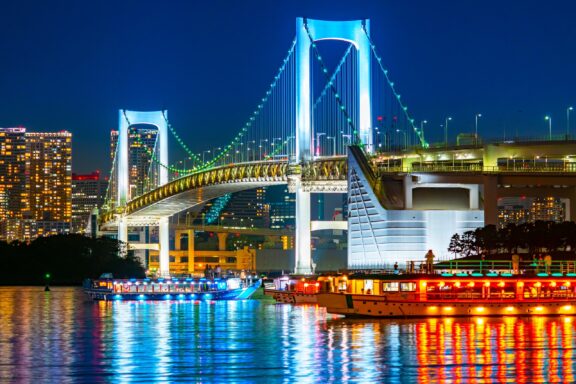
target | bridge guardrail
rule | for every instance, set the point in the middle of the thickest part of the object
(474, 168)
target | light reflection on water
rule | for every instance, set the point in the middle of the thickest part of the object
(62, 337)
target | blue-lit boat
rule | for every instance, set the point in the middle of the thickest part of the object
(188, 289)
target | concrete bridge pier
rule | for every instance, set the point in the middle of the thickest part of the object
(303, 236)
(123, 230)
(490, 184)
(164, 245)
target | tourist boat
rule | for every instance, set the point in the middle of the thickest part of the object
(190, 289)
(297, 289)
(452, 294)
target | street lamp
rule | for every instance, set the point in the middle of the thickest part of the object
(404, 133)
(422, 128)
(260, 146)
(289, 146)
(549, 127)
(333, 144)
(568, 121)
(203, 153)
(476, 127)
(349, 137)
(318, 143)
(446, 131)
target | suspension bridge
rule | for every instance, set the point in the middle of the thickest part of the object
(297, 134)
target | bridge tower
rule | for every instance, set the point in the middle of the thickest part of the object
(126, 120)
(307, 32)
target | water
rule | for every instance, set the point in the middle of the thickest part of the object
(60, 337)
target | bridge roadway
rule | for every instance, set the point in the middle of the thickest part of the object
(327, 175)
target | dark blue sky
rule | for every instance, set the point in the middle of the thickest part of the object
(72, 64)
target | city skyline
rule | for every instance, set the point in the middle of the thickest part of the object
(72, 67)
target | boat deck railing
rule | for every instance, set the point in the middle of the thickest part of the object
(521, 267)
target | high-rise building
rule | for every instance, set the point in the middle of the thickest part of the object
(142, 175)
(282, 206)
(520, 210)
(13, 197)
(49, 181)
(548, 209)
(88, 192)
(35, 183)
(246, 209)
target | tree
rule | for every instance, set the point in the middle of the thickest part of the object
(455, 246)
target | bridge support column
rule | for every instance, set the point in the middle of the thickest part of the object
(123, 231)
(408, 187)
(571, 209)
(222, 237)
(303, 237)
(490, 199)
(164, 243)
(473, 191)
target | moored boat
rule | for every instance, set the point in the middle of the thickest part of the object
(297, 289)
(190, 289)
(448, 294)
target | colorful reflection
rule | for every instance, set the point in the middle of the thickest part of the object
(62, 337)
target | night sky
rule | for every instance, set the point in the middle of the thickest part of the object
(72, 64)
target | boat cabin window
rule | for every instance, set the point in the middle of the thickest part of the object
(408, 287)
(390, 287)
(368, 286)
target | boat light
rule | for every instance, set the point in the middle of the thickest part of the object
(501, 284)
(486, 283)
(447, 274)
(539, 309)
(317, 284)
(480, 309)
(553, 284)
(538, 284)
(556, 274)
(567, 284)
(441, 284)
(471, 284)
(506, 274)
(541, 274)
(520, 283)
(141, 297)
(118, 297)
(509, 309)
(491, 274)
(457, 284)
(448, 308)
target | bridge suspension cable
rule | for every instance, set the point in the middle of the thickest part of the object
(403, 107)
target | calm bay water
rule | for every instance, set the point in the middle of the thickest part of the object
(61, 337)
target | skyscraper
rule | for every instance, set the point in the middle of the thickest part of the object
(13, 198)
(35, 183)
(88, 192)
(49, 182)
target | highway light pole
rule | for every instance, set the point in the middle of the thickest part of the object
(549, 119)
